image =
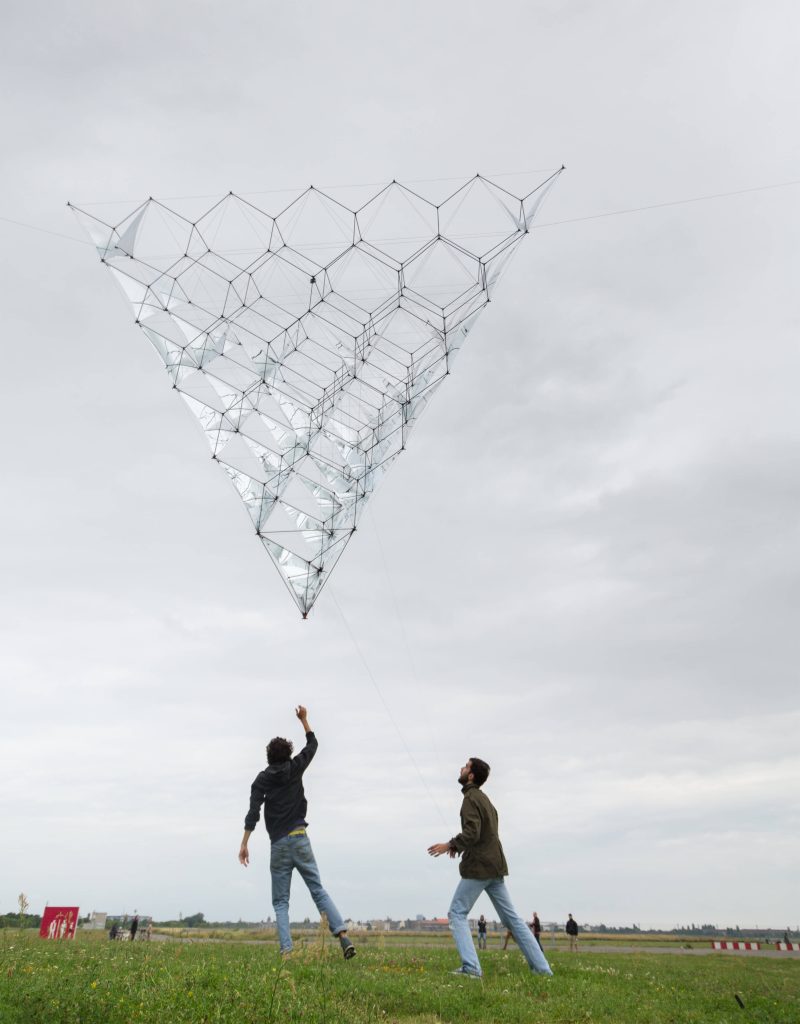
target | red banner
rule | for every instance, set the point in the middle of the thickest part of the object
(59, 923)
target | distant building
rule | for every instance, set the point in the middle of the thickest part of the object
(96, 922)
(435, 924)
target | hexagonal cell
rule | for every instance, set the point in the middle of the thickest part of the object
(285, 285)
(441, 274)
(317, 227)
(404, 336)
(363, 280)
(205, 287)
(480, 216)
(237, 231)
(397, 222)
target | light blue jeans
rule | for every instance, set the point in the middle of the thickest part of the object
(467, 892)
(285, 855)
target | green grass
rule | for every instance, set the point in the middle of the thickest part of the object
(405, 938)
(94, 981)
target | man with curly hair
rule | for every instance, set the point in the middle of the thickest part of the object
(280, 789)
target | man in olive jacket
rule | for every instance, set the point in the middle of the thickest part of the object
(483, 869)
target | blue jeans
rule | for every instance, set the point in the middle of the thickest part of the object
(467, 892)
(285, 855)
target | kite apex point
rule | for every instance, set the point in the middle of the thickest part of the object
(563, 167)
(305, 615)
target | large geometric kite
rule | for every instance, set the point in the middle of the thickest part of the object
(307, 340)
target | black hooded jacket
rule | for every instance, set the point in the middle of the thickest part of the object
(280, 789)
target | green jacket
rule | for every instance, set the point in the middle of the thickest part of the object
(478, 841)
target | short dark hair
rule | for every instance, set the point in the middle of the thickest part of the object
(480, 770)
(279, 750)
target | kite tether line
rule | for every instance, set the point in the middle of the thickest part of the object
(401, 622)
(672, 202)
(387, 709)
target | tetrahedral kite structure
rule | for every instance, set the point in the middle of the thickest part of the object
(309, 337)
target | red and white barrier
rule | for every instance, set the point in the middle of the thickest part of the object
(788, 947)
(735, 945)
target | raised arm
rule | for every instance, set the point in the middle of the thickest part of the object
(302, 760)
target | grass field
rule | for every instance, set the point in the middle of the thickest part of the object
(94, 981)
(404, 937)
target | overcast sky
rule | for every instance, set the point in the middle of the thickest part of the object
(585, 567)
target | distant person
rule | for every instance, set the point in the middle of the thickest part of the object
(536, 927)
(113, 931)
(148, 932)
(533, 925)
(482, 932)
(572, 930)
(134, 926)
(280, 789)
(483, 869)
